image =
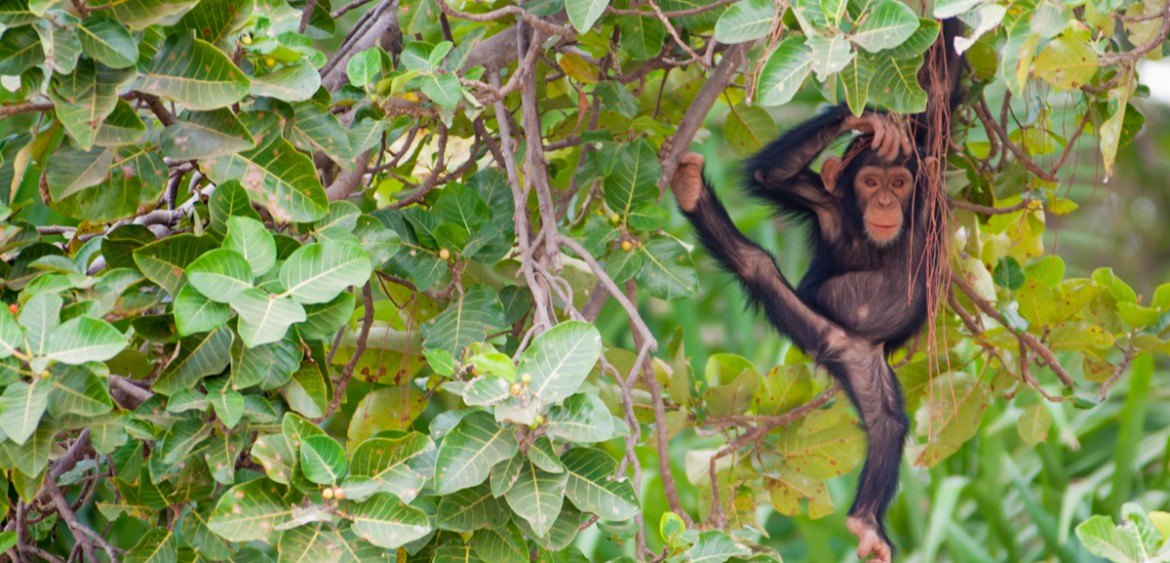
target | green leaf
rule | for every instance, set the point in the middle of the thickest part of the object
(264, 317)
(715, 547)
(443, 89)
(121, 127)
(59, 41)
(20, 50)
(292, 83)
(387, 522)
(84, 339)
(745, 21)
(1066, 63)
(886, 25)
(501, 545)
(1009, 274)
(205, 134)
(594, 487)
(829, 54)
(364, 66)
(250, 512)
(1103, 538)
(267, 365)
(228, 405)
(199, 357)
(306, 393)
(469, 451)
(583, 418)
(220, 274)
(950, 8)
(11, 335)
(386, 408)
(83, 100)
(537, 497)
(229, 200)
(633, 178)
(311, 543)
(746, 130)
(325, 319)
(384, 461)
(316, 273)
(316, 127)
(471, 509)
(785, 71)
(1117, 288)
(158, 545)
(895, 84)
(164, 261)
(107, 42)
(21, 408)
(956, 417)
(277, 176)
(195, 313)
(276, 456)
(667, 271)
(486, 390)
(40, 316)
(466, 320)
(323, 460)
(1034, 424)
(584, 13)
(560, 359)
(542, 454)
(77, 391)
(193, 73)
(642, 38)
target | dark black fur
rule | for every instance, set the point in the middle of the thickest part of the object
(858, 302)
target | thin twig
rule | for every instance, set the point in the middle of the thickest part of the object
(347, 371)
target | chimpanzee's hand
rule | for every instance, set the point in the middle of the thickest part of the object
(888, 136)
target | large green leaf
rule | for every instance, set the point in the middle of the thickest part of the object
(323, 460)
(291, 83)
(501, 545)
(78, 391)
(40, 316)
(11, 335)
(746, 20)
(199, 356)
(196, 313)
(315, 542)
(887, 23)
(387, 522)
(220, 274)
(584, 13)
(466, 320)
(667, 270)
(157, 545)
(785, 71)
(471, 509)
(316, 273)
(537, 497)
(582, 418)
(829, 54)
(633, 178)
(20, 49)
(107, 42)
(251, 239)
(164, 261)
(895, 84)
(84, 339)
(715, 547)
(1066, 63)
(250, 511)
(384, 461)
(594, 487)
(560, 359)
(194, 73)
(204, 134)
(469, 451)
(83, 99)
(277, 176)
(21, 408)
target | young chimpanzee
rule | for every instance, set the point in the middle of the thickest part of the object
(875, 237)
(864, 293)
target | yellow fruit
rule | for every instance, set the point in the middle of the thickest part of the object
(327, 493)
(339, 493)
(515, 390)
(444, 254)
(45, 374)
(246, 40)
(627, 245)
(615, 218)
(269, 61)
(526, 378)
(538, 420)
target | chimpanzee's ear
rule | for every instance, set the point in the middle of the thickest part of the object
(830, 171)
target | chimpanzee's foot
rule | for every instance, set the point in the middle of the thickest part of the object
(870, 541)
(687, 183)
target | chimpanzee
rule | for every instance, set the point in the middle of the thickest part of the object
(865, 294)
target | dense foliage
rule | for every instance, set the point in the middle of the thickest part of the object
(303, 281)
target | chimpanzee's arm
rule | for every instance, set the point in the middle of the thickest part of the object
(780, 172)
